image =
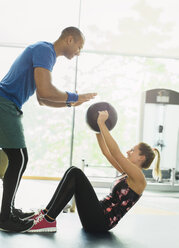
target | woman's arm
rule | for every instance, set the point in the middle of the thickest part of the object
(106, 152)
(128, 167)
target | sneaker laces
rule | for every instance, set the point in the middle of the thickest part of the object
(39, 219)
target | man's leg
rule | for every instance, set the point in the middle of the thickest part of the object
(17, 164)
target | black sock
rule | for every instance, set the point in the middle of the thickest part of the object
(48, 218)
(45, 211)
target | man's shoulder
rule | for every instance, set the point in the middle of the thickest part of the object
(42, 48)
(43, 55)
(41, 44)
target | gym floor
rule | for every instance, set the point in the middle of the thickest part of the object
(153, 222)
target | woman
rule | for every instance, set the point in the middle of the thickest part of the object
(95, 215)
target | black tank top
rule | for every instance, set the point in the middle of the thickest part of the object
(119, 201)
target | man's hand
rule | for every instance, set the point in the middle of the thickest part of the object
(83, 98)
(86, 97)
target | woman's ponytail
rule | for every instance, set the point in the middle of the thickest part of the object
(156, 173)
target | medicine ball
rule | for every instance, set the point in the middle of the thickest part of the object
(92, 115)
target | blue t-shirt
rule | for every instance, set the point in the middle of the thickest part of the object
(19, 84)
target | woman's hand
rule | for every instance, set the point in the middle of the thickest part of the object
(102, 117)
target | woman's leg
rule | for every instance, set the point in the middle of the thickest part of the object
(57, 190)
(89, 209)
(17, 164)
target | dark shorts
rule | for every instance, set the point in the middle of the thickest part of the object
(11, 129)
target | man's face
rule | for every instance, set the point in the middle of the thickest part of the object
(73, 47)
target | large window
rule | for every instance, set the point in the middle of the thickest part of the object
(131, 46)
(119, 80)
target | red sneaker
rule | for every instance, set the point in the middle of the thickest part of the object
(42, 225)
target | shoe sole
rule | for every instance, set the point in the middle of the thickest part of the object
(48, 230)
(4, 230)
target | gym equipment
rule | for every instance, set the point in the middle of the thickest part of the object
(3, 163)
(92, 115)
(159, 125)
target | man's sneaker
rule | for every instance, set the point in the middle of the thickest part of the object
(42, 225)
(22, 215)
(37, 215)
(15, 224)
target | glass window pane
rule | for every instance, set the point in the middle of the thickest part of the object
(148, 28)
(30, 21)
(120, 81)
(8, 55)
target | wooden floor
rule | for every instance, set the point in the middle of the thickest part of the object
(152, 223)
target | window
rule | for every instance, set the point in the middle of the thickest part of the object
(131, 46)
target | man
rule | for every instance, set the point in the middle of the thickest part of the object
(30, 72)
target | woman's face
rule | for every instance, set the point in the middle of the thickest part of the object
(134, 155)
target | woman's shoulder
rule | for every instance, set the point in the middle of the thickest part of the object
(137, 186)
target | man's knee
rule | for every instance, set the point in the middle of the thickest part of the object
(19, 157)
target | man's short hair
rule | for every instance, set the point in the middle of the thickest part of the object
(73, 31)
